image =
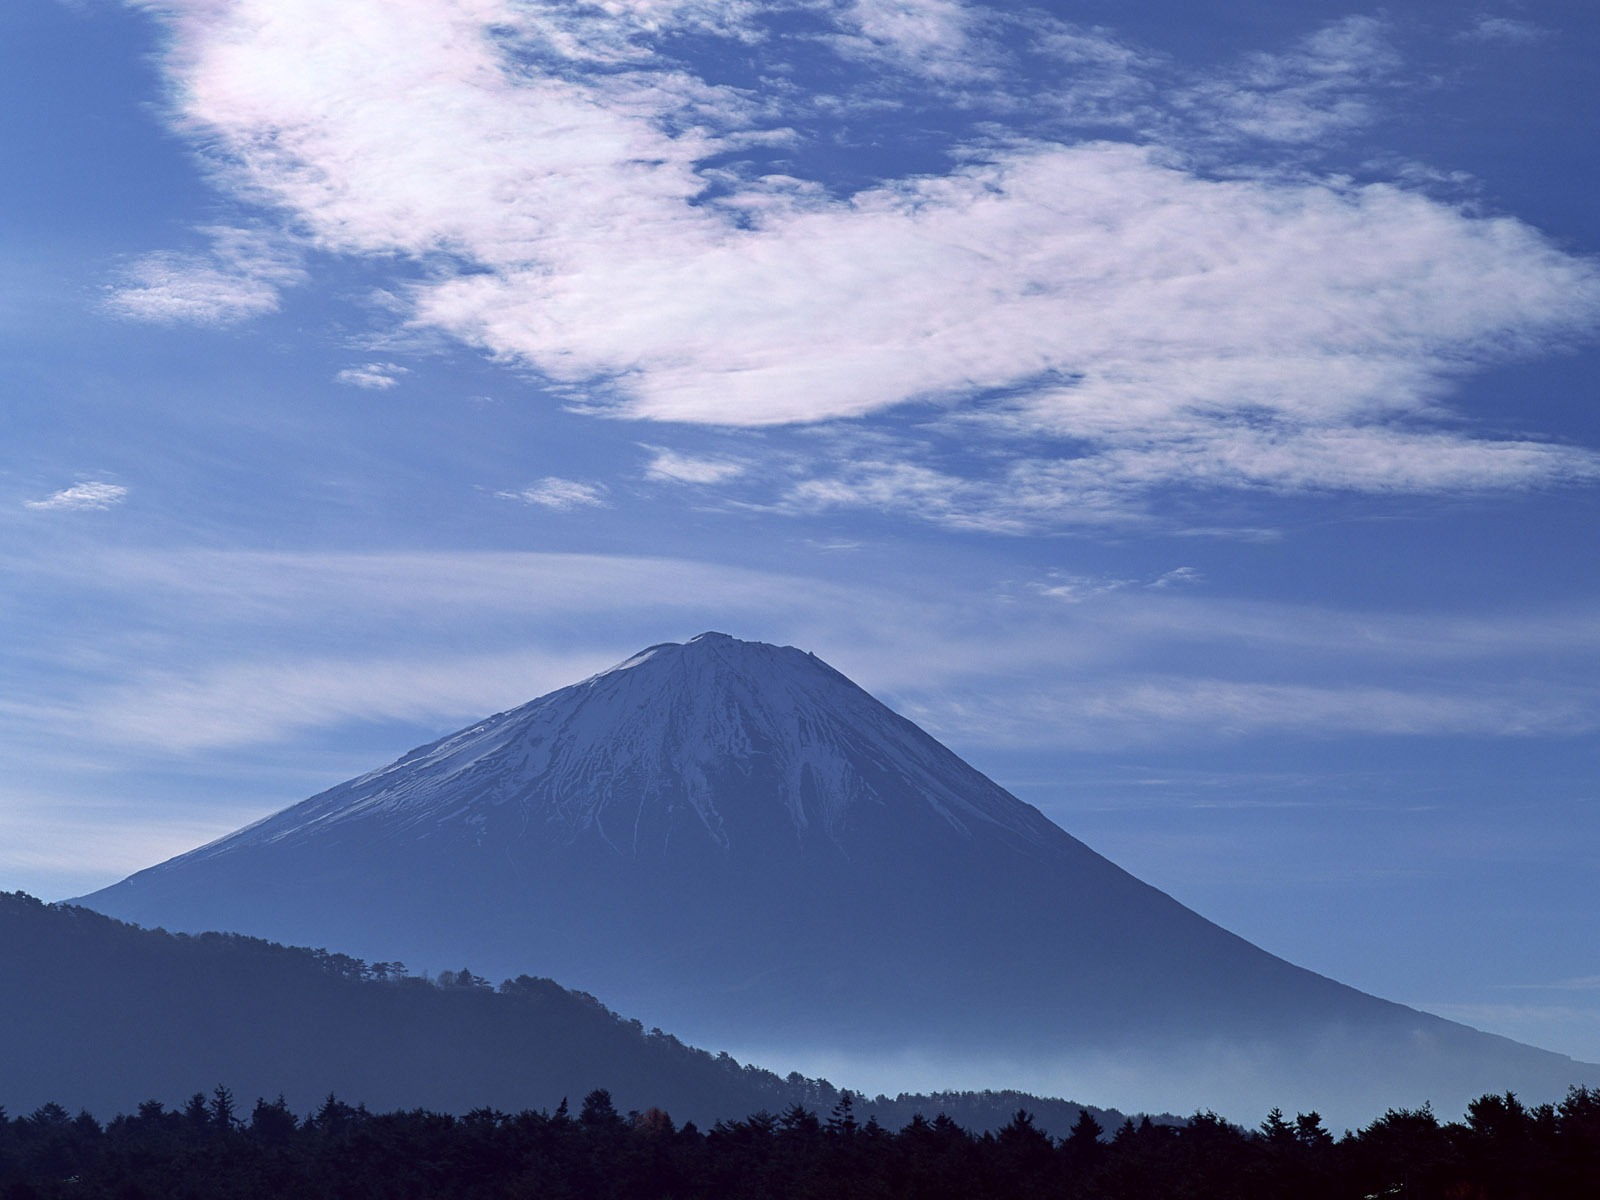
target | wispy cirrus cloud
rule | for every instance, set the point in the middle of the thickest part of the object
(1159, 710)
(238, 278)
(251, 703)
(559, 494)
(45, 835)
(1488, 28)
(594, 207)
(372, 376)
(171, 288)
(1105, 484)
(1584, 983)
(1177, 577)
(672, 466)
(1321, 88)
(85, 494)
(1075, 589)
(1069, 659)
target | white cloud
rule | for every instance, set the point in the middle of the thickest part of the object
(1177, 577)
(1160, 299)
(670, 466)
(931, 37)
(1263, 331)
(1318, 90)
(86, 494)
(172, 288)
(374, 376)
(1074, 589)
(239, 278)
(559, 494)
(1505, 29)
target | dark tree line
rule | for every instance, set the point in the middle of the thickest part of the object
(216, 1148)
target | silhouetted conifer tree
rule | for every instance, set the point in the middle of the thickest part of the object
(272, 1124)
(842, 1121)
(223, 1116)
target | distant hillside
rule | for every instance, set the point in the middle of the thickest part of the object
(101, 1015)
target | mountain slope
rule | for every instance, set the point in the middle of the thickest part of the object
(735, 842)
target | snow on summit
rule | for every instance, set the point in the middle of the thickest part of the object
(665, 744)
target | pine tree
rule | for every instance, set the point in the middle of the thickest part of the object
(223, 1116)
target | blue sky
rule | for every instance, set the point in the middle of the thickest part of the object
(1184, 411)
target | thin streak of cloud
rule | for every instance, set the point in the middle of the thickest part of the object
(438, 589)
(84, 495)
(243, 704)
(671, 466)
(1015, 669)
(1587, 983)
(1504, 29)
(373, 376)
(1036, 494)
(1177, 577)
(448, 589)
(563, 495)
(1075, 589)
(1161, 711)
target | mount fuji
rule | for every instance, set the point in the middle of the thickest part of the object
(733, 841)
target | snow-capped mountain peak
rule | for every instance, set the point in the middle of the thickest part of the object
(734, 841)
(697, 739)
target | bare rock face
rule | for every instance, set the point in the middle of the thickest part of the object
(733, 841)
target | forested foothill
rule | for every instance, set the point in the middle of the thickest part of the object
(93, 1011)
(103, 1015)
(215, 1148)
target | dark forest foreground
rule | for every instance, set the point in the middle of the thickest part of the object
(1501, 1150)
